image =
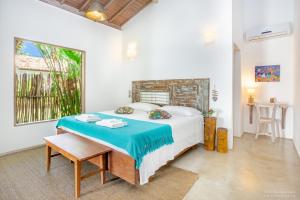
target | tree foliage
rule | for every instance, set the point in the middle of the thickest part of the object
(65, 69)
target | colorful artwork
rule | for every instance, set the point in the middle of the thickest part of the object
(269, 73)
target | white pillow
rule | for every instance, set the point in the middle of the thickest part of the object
(143, 106)
(181, 110)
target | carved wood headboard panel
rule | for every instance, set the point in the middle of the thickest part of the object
(182, 92)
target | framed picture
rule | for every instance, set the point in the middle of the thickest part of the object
(270, 73)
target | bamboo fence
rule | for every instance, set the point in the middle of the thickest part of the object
(35, 101)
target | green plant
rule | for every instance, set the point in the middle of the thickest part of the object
(65, 69)
(208, 113)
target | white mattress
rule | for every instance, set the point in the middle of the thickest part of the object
(186, 132)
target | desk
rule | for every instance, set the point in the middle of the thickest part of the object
(282, 106)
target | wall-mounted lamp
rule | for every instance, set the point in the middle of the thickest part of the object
(251, 92)
(250, 86)
(131, 50)
(209, 35)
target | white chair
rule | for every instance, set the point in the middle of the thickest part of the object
(278, 121)
(266, 118)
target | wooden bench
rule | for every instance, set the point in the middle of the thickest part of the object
(78, 149)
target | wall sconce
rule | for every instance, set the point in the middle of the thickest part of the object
(251, 92)
(249, 86)
(209, 35)
(131, 50)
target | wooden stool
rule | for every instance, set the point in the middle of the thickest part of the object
(210, 124)
(222, 145)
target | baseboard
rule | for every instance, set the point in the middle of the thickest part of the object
(247, 133)
(20, 150)
(238, 136)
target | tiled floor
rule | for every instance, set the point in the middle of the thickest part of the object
(254, 169)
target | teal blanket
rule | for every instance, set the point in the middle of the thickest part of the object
(138, 138)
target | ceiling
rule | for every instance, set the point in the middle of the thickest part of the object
(118, 11)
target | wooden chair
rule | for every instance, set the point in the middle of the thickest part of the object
(266, 119)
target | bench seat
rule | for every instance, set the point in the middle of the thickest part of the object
(78, 149)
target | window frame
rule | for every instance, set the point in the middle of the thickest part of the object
(82, 86)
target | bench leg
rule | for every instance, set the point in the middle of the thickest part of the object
(77, 166)
(102, 169)
(48, 157)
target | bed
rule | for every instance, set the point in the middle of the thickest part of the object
(187, 131)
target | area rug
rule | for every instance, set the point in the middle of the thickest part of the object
(23, 176)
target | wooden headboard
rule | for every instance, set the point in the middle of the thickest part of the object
(180, 92)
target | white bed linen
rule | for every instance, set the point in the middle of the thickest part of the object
(186, 131)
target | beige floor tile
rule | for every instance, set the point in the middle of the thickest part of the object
(254, 169)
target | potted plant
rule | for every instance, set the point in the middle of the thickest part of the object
(208, 113)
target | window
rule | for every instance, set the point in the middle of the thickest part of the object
(48, 81)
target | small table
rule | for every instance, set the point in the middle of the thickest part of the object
(282, 106)
(78, 149)
(210, 124)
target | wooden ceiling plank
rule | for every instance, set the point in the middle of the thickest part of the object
(84, 5)
(111, 25)
(76, 11)
(121, 11)
(108, 4)
(125, 21)
(118, 11)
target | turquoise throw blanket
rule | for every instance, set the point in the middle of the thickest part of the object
(138, 138)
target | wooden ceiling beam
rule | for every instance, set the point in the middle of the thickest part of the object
(87, 3)
(146, 4)
(110, 7)
(121, 11)
(84, 5)
(76, 11)
(111, 25)
(108, 4)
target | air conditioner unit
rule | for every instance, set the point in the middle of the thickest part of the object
(267, 32)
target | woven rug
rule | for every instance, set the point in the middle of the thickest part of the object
(23, 176)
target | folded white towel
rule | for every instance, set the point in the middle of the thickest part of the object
(88, 118)
(112, 123)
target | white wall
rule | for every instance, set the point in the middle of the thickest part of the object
(238, 24)
(237, 92)
(275, 51)
(34, 20)
(296, 76)
(170, 45)
(237, 34)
